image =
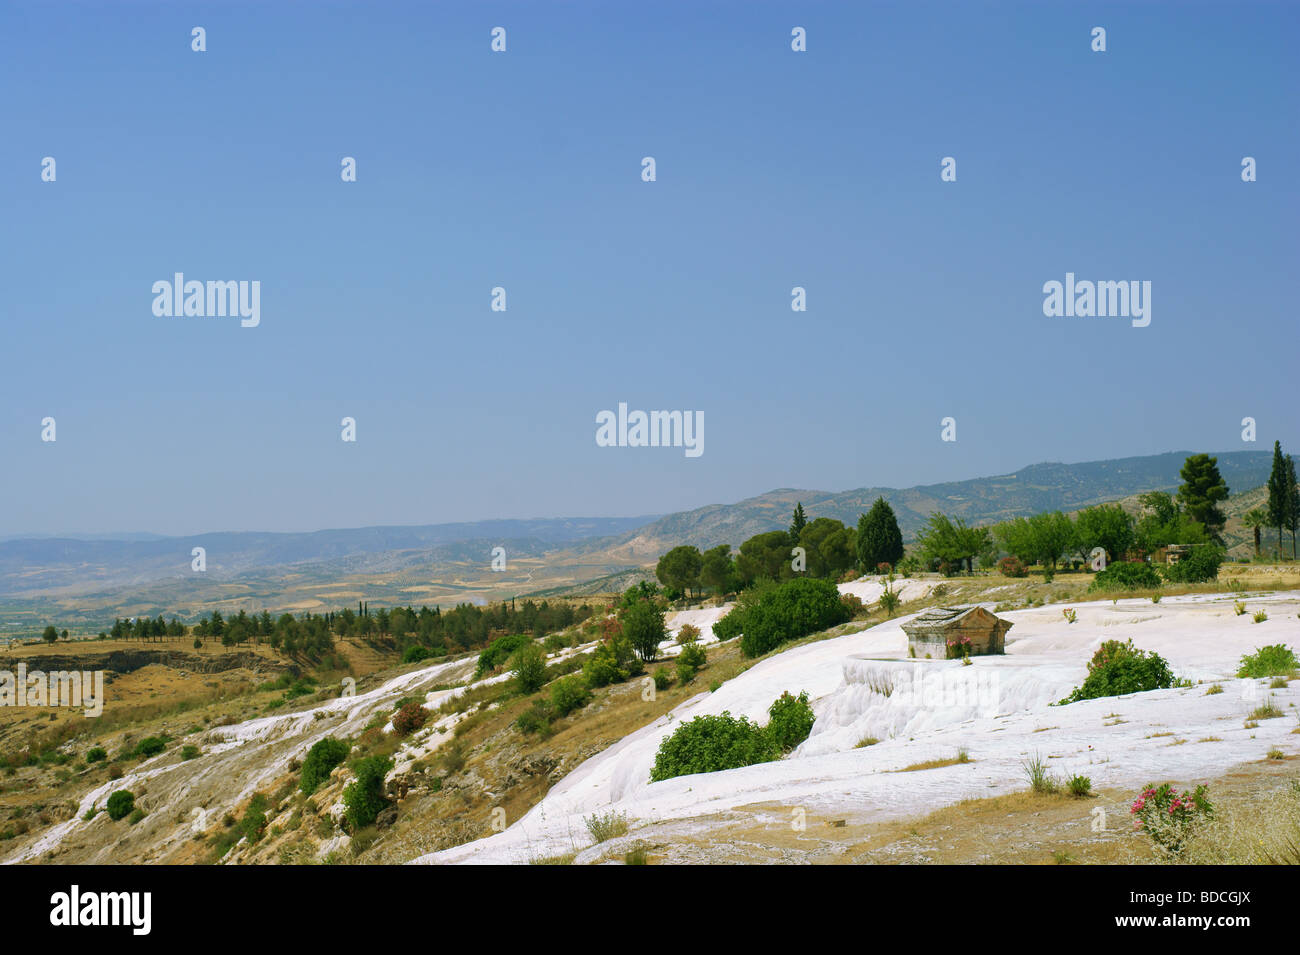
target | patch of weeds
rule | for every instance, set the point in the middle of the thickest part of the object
(1041, 779)
(1266, 711)
(611, 825)
(639, 854)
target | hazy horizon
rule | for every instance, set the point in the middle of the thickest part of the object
(142, 534)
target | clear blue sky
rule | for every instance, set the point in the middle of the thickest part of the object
(522, 169)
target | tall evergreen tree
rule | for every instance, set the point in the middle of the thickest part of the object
(1202, 489)
(797, 523)
(879, 539)
(1278, 496)
(1293, 502)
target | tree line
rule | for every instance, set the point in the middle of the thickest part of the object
(823, 548)
(826, 548)
(1192, 517)
(466, 626)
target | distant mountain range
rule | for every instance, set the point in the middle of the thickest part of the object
(34, 565)
(1038, 487)
(87, 581)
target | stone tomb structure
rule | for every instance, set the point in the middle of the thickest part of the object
(949, 633)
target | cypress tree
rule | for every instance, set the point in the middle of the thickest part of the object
(1293, 502)
(1278, 497)
(797, 523)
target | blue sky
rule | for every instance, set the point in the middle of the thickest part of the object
(522, 170)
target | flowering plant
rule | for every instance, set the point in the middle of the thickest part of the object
(1168, 816)
(1070, 615)
(959, 647)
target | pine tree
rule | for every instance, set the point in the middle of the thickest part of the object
(1202, 490)
(797, 523)
(1278, 497)
(879, 539)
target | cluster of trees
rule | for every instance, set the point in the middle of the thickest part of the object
(142, 628)
(308, 634)
(821, 548)
(628, 641)
(1283, 508)
(1191, 517)
(465, 627)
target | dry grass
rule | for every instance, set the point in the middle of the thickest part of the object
(961, 757)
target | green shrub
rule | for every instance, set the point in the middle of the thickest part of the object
(190, 751)
(1126, 575)
(364, 798)
(568, 694)
(790, 720)
(254, 819)
(320, 762)
(120, 804)
(136, 815)
(729, 627)
(300, 687)
(787, 611)
(643, 624)
(535, 719)
(150, 746)
(708, 744)
(693, 656)
(529, 667)
(889, 600)
(1200, 565)
(612, 662)
(499, 651)
(1275, 660)
(1117, 669)
(415, 653)
(96, 754)
(663, 678)
(1079, 786)
(685, 673)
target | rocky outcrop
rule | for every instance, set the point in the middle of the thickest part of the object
(128, 661)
